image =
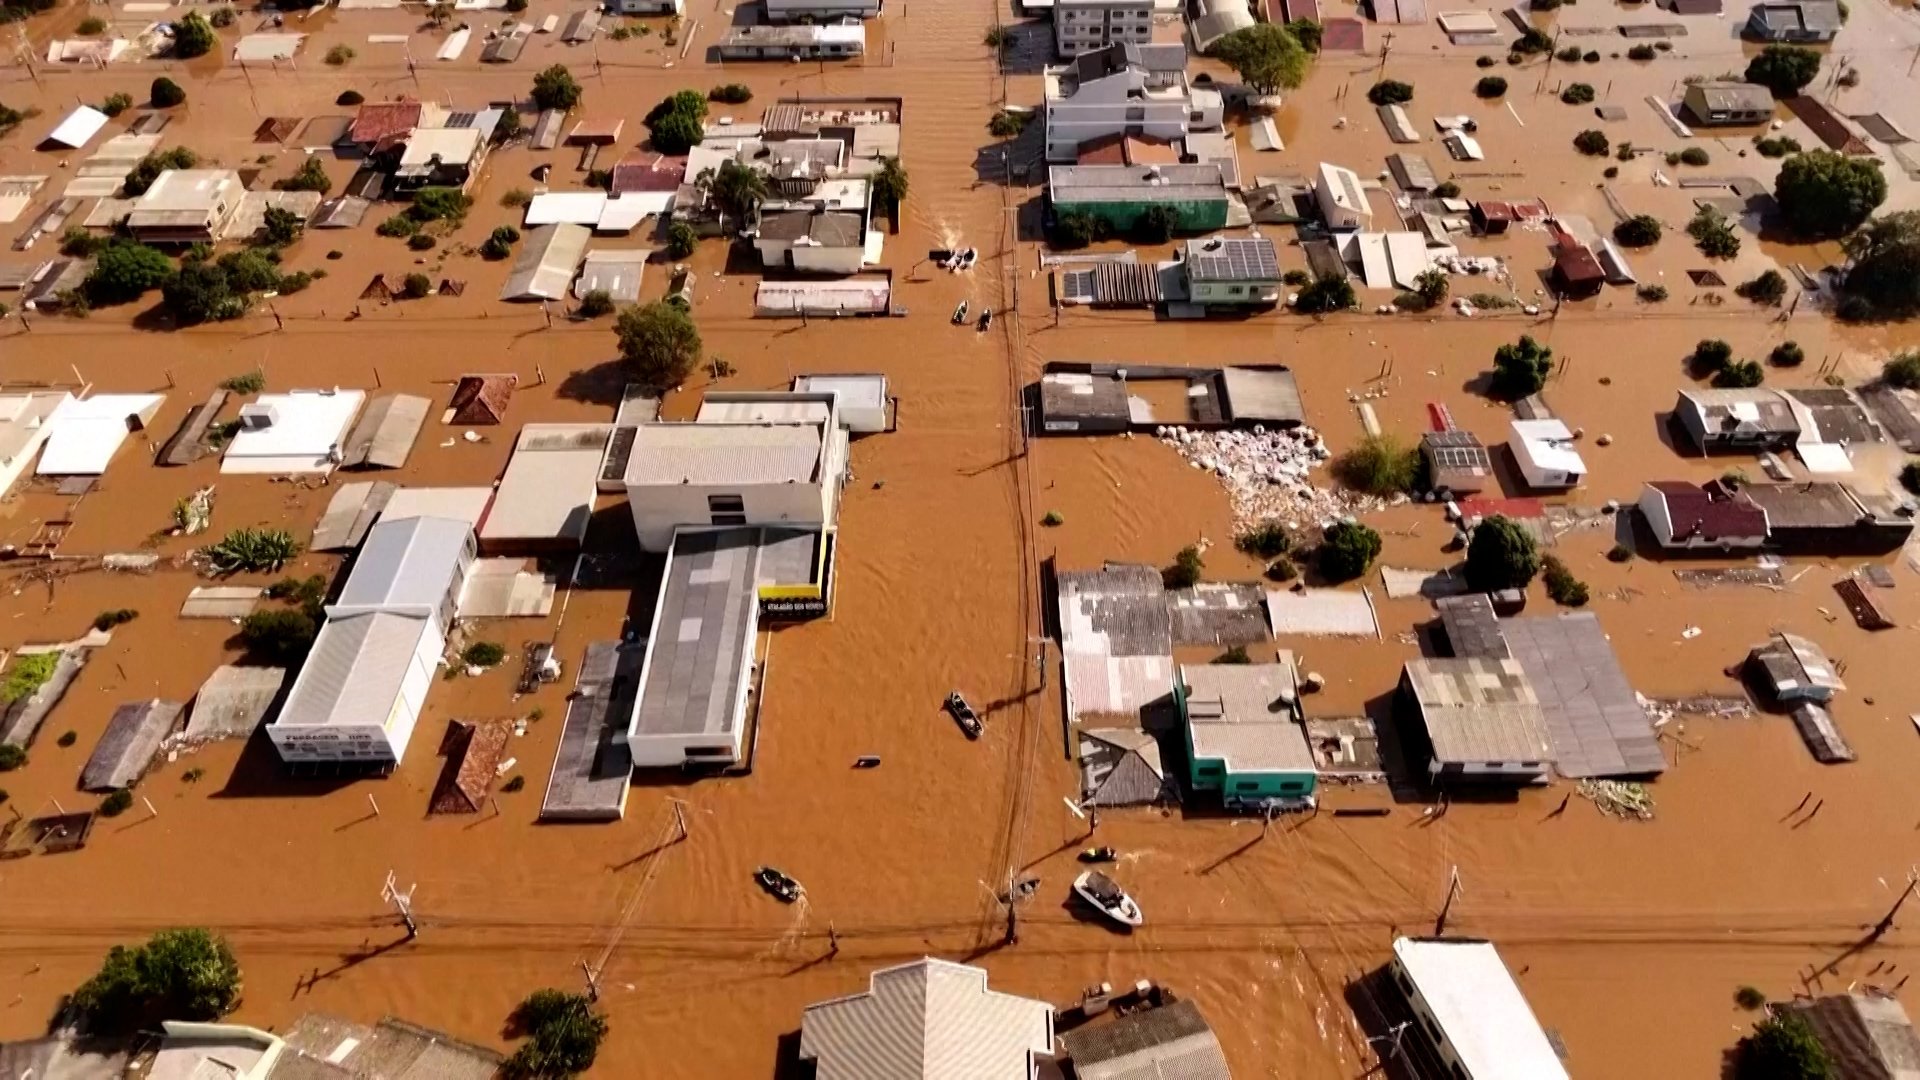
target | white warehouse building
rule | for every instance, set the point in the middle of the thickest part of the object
(360, 692)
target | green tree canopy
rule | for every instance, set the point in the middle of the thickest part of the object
(659, 343)
(187, 974)
(201, 293)
(124, 270)
(1521, 368)
(193, 36)
(677, 122)
(1886, 264)
(1782, 1047)
(737, 188)
(555, 88)
(890, 183)
(1825, 194)
(1501, 555)
(1784, 69)
(563, 1033)
(1346, 549)
(1266, 56)
(1327, 293)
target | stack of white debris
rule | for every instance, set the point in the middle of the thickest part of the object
(1266, 474)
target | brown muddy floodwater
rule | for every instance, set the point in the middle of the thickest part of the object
(1629, 939)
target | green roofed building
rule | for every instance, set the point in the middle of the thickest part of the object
(1244, 734)
(1119, 194)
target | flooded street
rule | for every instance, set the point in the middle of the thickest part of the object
(1629, 939)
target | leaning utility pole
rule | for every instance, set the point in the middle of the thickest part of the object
(1453, 890)
(1886, 921)
(402, 903)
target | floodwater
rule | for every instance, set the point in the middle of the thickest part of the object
(1629, 939)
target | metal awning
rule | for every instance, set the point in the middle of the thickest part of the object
(385, 434)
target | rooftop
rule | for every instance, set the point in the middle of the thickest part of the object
(1794, 663)
(794, 36)
(1594, 721)
(1343, 187)
(928, 1018)
(761, 407)
(1473, 629)
(385, 119)
(704, 625)
(406, 565)
(1233, 259)
(1478, 709)
(354, 671)
(808, 227)
(1243, 714)
(548, 489)
(188, 190)
(452, 146)
(1472, 996)
(1549, 444)
(1131, 183)
(1816, 504)
(1754, 410)
(726, 453)
(306, 427)
(1709, 511)
(1868, 1035)
(1171, 1042)
(1732, 96)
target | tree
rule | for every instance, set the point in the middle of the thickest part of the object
(1739, 375)
(1390, 92)
(1782, 1047)
(1531, 42)
(1328, 293)
(1073, 229)
(1712, 235)
(148, 169)
(890, 185)
(1378, 465)
(1266, 56)
(563, 1033)
(1784, 69)
(1825, 194)
(186, 974)
(200, 293)
(192, 36)
(499, 243)
(1185, 571)
(279, 635)
(1562, 586)
(312, 176)
(1768, 288)
(681, 240)
(659, 344)
(1521, 368)
(1007, 125)
(1155, 224)
(440, 12)
(1501, 555)
(1640, 230)
(1308, 33)
(416, 287)
(1492, 86)
(596, 303)
(1268, 540)
(1903, 371)
(731, 94)
(124, 270)
(1709, 356)
(1431, 287)
(1885, 275)
(1591, 143)
(509, 127)
(677, 123)
(116, 104)
(739, 189)
(555, 88)
(1787, 354)
(1346, 549)
(440, 204)
(281, 227)
(1577, 94)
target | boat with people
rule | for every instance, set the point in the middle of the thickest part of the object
(778, 885)
(1099, 855)
(964, 715)
(960, 314)
(1108, 898)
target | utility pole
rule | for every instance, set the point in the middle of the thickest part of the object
(1446, 907)
(1012, 936)
(593, 981)
(1547, 72)
(1386, 46)
(1886, 921)
(679, 819)
(1392, 1038)
(402, 903)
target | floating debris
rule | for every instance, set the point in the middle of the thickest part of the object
(1619, 798)
(1266, 474)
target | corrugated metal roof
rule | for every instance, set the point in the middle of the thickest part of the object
(233, 701)
(1868, 1036)
(349, 514)
(1172, 1042)
(726, 453)
(1473, 998)
(1593, 718)
(930, 1018)
(1479, 710)
(407, 564)
(691, 681)
(354, 672)
(127, 747)
(546, 262)
(1242, 714)
(385, 433)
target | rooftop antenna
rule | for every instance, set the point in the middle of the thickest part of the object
(402, 903)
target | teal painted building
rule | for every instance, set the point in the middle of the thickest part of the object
(1244, 735)
(1119, 194)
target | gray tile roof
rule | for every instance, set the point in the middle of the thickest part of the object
(1472, 627)
(1172, 1042)
(1478, 710)
(1120, 767)
(692, 679)
(1869, 1037)
(1594, 720)
(927, 1020)
(1243, 714)
(127, 747)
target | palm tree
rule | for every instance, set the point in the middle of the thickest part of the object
(890, 184)
(738, 188)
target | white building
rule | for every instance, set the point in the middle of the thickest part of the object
(1343, 202)
(360, 692)
(958, 1027)
(186, 206)
(829, 42)
(1472, 1011)
(861, 400)
(296, 432)
(1082, 26)
(87, 432)
(781, 11)
(646, 7)
(1543, 449)
(1139, 90)
(725, 472)
(25, 423)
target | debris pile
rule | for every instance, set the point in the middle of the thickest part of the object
(1619, 798)
(1266, 474)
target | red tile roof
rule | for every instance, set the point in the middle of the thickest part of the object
(1128, 150)
(384, 120)
(1710, 511)
(648, 172)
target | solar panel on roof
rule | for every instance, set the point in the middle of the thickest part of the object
(1235, 260)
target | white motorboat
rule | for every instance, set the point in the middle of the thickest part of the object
(1106, 895)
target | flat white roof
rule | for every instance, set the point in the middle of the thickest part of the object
(454, 145)
(719, 453)
(853, 391)
(566, 207)
(187, 189)
(1480, 1009)
(551, 481)
(466, 504)
(1548, 444)
(622, 214)
(80, 126)
(308, 426)
(87, 431)
(1343, 186)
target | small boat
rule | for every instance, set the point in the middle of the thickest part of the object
(964, 715)
(960, 314)
(1108, 897)
(1099, 855)
(986, 320)
(867, 761)
(778, 885)
(966, 259)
